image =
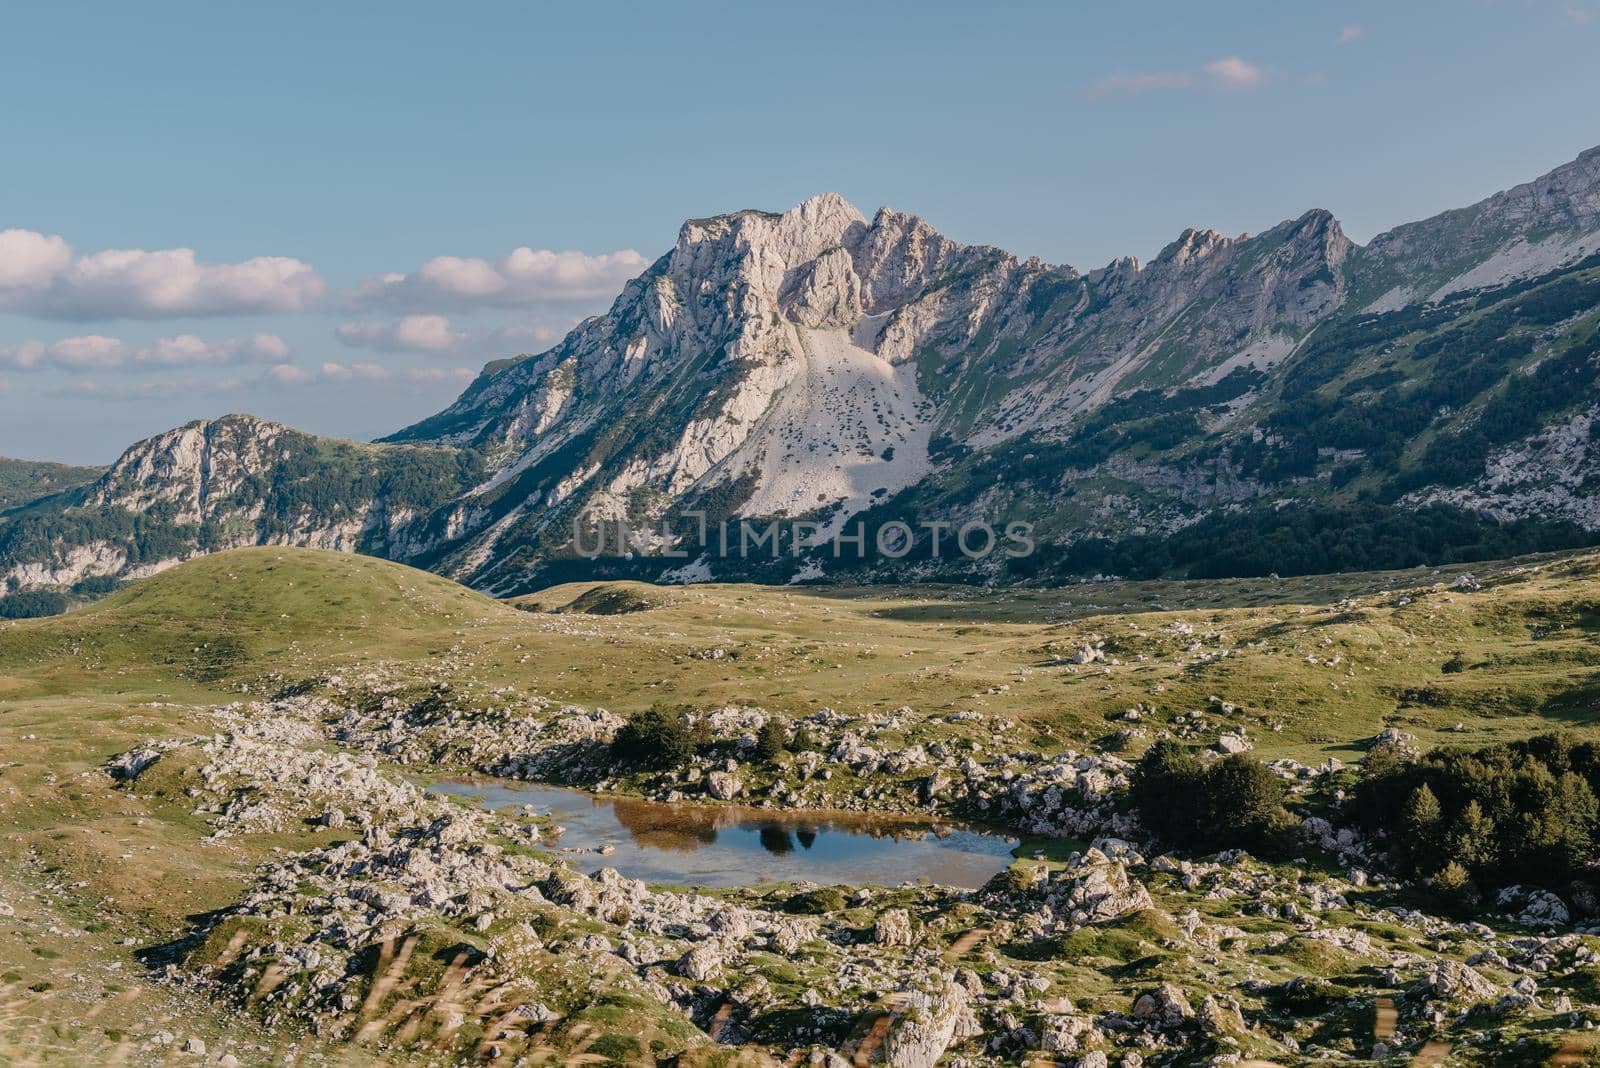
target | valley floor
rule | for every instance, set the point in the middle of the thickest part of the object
(213, 848)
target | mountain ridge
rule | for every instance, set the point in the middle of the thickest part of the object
(816, 364)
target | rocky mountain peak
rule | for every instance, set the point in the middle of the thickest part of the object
(1314, 236)
(1567, 197)
(820, 223)
(1521, 232)
(1192, 246)
(186, 465)
(787, 241)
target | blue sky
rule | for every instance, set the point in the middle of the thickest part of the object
(319, 161)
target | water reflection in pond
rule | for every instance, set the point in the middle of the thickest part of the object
(715, 845)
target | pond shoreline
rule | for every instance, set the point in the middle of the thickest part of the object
(721, 844)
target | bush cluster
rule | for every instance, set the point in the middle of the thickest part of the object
(658, 738)
(30, 604)
(1468, 821)
(1234, 803)
(661, 738)
(771, 739)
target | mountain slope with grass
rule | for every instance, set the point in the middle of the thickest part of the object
(24, 481)
(1187, 415)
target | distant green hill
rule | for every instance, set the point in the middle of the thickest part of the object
(253, 610)
(22, 481)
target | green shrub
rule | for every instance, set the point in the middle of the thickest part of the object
(1453, 887)
(1235, 803)
(1166, 789)
(802, 742)
(659, 737)
(772, 739)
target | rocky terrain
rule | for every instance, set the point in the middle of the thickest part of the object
(1434, 386)
(327, 938)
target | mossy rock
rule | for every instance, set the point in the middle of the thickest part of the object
(816, 902)
(1313, 956)
(1305, 996)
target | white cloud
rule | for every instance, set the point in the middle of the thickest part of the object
(188, 350)
(41, 276)
(289, 374)
(96, 352)
(1234, 73)
(91, 353)
(29, 259)
(434, 335)
(527, 276)
(1582, 16)
(268, 347)
(409, 333)
(1349, 35)
(1228, 73)
(437, 375)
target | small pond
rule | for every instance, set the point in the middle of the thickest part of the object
(716, 845)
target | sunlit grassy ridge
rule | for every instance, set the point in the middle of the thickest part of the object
(1326, 661)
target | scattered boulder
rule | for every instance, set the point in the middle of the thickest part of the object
(723, 785)
(1393, 736)
(1165, 1006)
(1101, 890)
(131, 765)
(701, 963)
(1220, 1016)
(1453, 981)
(1234, 742)
(1064, 1034)
(893, 928)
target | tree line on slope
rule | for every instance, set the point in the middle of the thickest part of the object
(1458, 823)
(1307, 539)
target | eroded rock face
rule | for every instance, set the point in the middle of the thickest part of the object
(827, 293)
(893, 928)
(929, 1019)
